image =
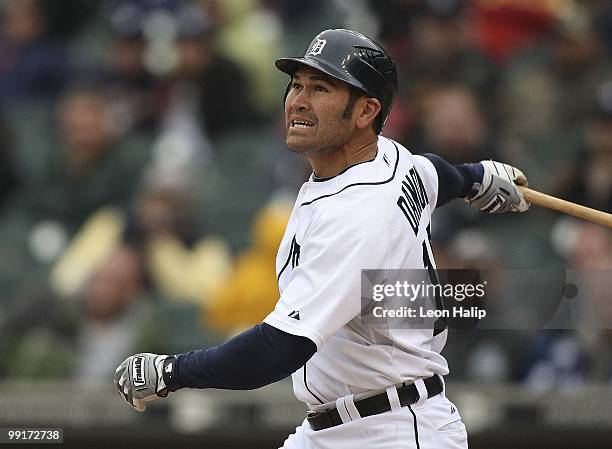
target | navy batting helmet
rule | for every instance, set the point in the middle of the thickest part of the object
(355, 59)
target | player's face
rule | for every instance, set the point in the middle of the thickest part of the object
(315, 113)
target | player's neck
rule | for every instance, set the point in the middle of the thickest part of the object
(360, 149)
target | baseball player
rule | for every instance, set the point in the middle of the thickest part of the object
(367, 205)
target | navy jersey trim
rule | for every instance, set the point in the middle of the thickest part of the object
(416, 428)
(327, 178)
(308, 388)
(307, 203)
(288, 259)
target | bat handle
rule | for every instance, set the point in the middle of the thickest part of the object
(567, 207)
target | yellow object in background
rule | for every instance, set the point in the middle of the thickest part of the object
(251, 291)
(92, 245)
(188, 273)
(178, 272)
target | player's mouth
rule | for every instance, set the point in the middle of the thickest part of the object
(294, 123)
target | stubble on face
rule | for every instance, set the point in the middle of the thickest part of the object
(328, 137)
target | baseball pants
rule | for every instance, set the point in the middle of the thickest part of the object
(431, 424)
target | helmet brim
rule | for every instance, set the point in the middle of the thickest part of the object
(292, 65)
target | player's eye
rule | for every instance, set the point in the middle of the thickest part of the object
(321, 88)
(295, 85)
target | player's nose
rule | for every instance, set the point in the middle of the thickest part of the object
(299, 101)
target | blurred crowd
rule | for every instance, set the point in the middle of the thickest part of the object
(145, 184)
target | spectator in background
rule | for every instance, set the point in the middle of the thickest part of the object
(137, 97)
(434, 45)
(568, 358)
(31, 65)
(221, 90)
(185, 263)
(87, 166)
(589, 179)
(547, 94)
(250, 34)
(111, 314)
(207, 97)
(453, 125)
(116, 317)
(443, 48)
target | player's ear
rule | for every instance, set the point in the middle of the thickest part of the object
(368, 109)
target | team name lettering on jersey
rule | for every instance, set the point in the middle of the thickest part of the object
(413, 199)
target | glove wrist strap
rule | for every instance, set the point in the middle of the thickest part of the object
(473, 177)
(169, 373)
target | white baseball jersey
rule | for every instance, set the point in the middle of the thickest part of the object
(373, 215)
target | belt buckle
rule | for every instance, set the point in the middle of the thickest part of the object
(312, 414)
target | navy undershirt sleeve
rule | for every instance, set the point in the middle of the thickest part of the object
(454, 181)
(260, 356)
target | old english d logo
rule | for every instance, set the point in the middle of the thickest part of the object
(317, 48)
(138, 375)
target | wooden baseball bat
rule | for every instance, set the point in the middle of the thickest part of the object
(567, 207)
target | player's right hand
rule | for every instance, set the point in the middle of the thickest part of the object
(139, 379)
(498, 190)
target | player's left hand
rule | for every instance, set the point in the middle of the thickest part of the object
(497, 192)
(139, 379)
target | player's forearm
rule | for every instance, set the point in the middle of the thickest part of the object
(454, 181)
(257, 357)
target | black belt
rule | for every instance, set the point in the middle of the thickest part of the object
(408, 394)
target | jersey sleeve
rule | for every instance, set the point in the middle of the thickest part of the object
(325, 291)
(430, 178)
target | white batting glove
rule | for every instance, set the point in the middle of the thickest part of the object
(139, 379)
(498, 191)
